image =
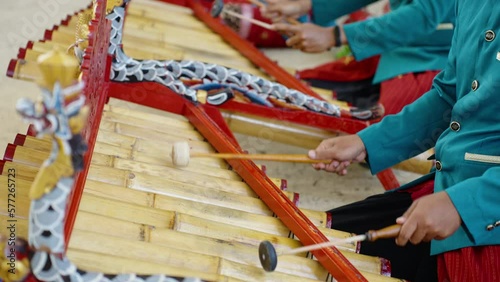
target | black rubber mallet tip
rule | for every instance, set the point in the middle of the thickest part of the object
(267, 255)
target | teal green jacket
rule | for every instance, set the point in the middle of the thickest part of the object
(408, 37)
(460, 116)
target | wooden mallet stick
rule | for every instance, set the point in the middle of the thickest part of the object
(181, 154)
(262, 5)
(254, 21)
(218, 8)
(269, 257)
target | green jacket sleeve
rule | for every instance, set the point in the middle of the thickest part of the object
(398, 28)
(476, 200)
(325, 11)
(417, 127)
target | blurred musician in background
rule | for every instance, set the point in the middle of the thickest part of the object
(413, 41)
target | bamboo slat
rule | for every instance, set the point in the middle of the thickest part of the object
(114, 225)
(29, 156)
(23, 171)
(276, 130)
(118, 264)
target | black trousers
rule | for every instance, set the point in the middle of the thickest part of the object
(362, 93)
(412, 262)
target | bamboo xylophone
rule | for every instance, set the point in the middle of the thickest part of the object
(133, 204)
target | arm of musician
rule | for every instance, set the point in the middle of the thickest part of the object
(375, 36)
(397, 137)
(410, 24)
(476, 200)
(417, 127)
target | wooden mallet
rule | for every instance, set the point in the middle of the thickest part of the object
(269, 257)
(181, 154)
(218, 8)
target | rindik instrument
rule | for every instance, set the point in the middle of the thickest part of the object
(97, 197)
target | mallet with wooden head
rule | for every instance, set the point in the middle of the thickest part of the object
(181, 153)
(269, 257)
(218, 8)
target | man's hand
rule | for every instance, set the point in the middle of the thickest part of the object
(430, 217)
(307, 37)
(278, 10)
(341, 150)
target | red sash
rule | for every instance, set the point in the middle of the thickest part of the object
(343, 70)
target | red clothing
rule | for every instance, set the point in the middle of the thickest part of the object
(343, 70)
(473, 264)
(404, 89)
(394, 93)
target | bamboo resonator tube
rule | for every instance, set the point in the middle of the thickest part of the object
(181, 154)
(269, 257)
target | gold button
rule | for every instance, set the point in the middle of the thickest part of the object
(455, 126)
(490, 227)
(439, 166)
(490, 35)
(475, 85)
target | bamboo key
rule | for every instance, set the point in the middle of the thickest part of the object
(269, 257)
(181, 154)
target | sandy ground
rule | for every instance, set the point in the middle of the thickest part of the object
(25, 20)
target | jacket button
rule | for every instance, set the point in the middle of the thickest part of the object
(455, 126)
(475, 85)
(490, 35)
(438, 166)
(490, 227)
(497, 223)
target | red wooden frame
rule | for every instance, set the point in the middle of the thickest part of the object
(95, 68)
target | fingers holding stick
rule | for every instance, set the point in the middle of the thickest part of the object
(254, 21)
